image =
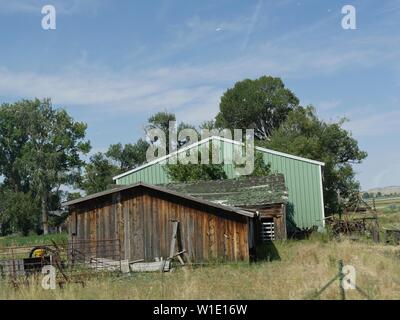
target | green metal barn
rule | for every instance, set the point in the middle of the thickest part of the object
(303, 178)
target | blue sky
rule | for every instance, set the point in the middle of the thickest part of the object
(114, 63)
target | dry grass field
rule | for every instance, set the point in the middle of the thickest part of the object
(389, 211)
(304, 267)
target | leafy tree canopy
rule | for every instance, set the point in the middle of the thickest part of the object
(261, 104)
(160, 120)
(42, 146)
(194, 172)
(98, 174)
(19, 211)
(102, 167)
(305, 135)
(14, 134)
(128, 156)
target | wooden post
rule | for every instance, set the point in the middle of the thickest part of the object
(173, 240)
(339, 202)
(376, 234)
(225, 246)
(284, 235)
(13, 265)
(341, 277)
(176, 238)
(127, 233)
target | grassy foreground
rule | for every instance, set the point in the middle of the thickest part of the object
(305, 266)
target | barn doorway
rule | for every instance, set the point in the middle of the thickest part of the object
(266, 236)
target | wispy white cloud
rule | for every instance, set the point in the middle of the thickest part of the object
(19, 6)
(190, 88)
(390, 175)
(284, 55)
(151, 90)
(329, 104)
(377, 124)
(373, 174)
(330, 110)
(201, 109)
(388, 7)
(252, 24)
(199, 32)
(184, 87)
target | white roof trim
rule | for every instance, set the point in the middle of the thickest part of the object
(162, 158)
(157, 160)
(322, 197)
(282, 154)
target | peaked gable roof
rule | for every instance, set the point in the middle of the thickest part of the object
(242, 192)
(218, 138)
(162, 190)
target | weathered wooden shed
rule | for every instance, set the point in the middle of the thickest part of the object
(141, 216)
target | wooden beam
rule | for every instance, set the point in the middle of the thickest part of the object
(173, 240)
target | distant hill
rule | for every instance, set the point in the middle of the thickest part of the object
(385, 190)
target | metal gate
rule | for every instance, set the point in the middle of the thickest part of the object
(68, 258)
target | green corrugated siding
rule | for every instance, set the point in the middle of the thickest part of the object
(302, 181)
(304, 188)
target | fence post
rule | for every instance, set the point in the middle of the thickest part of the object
(341, 278)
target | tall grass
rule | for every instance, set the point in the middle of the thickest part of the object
(32, 240)
(303, 268)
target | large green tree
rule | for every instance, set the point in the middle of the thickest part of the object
(18, 212)
(102, 167)
(161, 121)
(304, 134)
(47, 151)
(128, 156)
(98, 174)
(194, 172)
(180, 172)
(14, 134)
(19, 208)
(261, 104)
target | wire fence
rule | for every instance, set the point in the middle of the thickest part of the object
(73, 260)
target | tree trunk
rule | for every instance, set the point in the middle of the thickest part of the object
(45, 214)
